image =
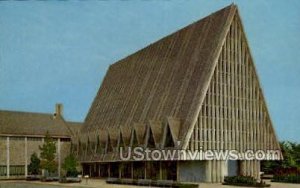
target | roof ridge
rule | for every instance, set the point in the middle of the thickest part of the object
(24, 112)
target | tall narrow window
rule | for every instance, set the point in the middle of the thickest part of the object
(169, 140)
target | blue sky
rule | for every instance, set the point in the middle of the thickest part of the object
(59, 51)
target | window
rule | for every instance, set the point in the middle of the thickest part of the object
(121, 142)
(134, 140)
(34, 139)
(109, 146)
(16, 138)
(17, 170)
(65, 140)
(98, 146)
(169, 140)
(3, 170)
(150, 143)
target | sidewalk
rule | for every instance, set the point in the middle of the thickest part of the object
(100, 183)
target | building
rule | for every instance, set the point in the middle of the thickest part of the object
(196, 89)
(21, 134)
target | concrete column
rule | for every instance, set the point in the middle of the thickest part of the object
(257, 165)
(90, 170)
(120, 172)
(243, 168)
(145, 170)
(251, 169)
(43, 171)
(99, 170)
(26, 160)
(108, 170)
(248, 167)
(177, 171)
(224, 169)
(7, 156)
(208, 171)
(218, 171)
(58, 156)
(131, 170)
(160, 171)
(214, 171)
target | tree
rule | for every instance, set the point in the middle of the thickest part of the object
(288, 156)
(69, 165)
(291, 158)
(48, 150)
(34, 166)
(295, 153)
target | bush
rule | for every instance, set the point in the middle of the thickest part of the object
(33, 177)
(291, 158)
(240, 180)
(244, 181)
(287, 175)
(286, 171)
(293, 178)
(34, 166)
(70, 165)
(63, 180)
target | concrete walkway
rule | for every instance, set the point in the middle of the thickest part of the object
(92, 183)
(100, 183)
(273, 185)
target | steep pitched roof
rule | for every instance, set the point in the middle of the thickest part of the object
(25, 123)
(34, 124)
(168, 78)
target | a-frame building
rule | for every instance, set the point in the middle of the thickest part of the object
(196, 89)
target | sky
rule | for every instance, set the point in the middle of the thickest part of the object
(59, 51)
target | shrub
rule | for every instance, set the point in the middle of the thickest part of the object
(34, 166)
(287, 175)
(240, 180)
(291, 159)
(293, 178)
(70, 165)
(286, 171)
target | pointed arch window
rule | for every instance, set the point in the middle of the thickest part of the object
(98, 146)
(88, 147)
(79, 152)
(169, 140)
(121, 141)
(134, 140)
(109, 147)
(150, 141)
(84, 148)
